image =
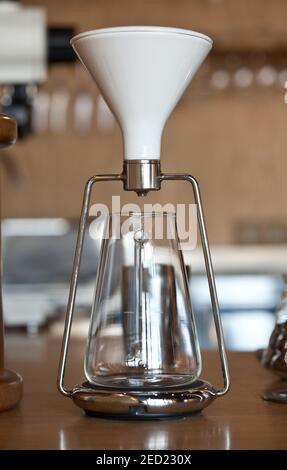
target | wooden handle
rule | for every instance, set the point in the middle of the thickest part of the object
(10, 382)
(8, 135)
(8, 130)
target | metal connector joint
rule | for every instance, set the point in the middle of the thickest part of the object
(141, 176)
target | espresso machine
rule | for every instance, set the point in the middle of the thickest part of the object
(143, 358)
(27, 47)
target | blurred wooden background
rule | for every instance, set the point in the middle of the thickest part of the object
(233, 140)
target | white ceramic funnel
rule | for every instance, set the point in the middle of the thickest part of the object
(142, 72)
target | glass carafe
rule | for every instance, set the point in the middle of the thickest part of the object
(142, 331)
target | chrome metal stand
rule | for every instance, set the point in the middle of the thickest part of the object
(143, 176)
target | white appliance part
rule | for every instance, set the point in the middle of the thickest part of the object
(23, 44)
(142, 72)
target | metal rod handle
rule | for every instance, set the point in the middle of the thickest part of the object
(75, 276)
(210, 275)
(77, 263)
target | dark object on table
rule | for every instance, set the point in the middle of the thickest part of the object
(277, 395)
(275, 356)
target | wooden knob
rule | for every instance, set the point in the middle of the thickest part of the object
(8, 130)
(11, 389)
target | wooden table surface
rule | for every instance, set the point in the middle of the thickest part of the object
(46, 420)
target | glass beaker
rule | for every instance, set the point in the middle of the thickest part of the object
(142, 332)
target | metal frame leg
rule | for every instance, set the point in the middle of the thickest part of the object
(210, 275)
(75, 276)
(77, 263)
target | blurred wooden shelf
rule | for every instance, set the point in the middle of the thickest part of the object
(233, 24)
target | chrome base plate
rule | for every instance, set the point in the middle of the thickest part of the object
(161, 404)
